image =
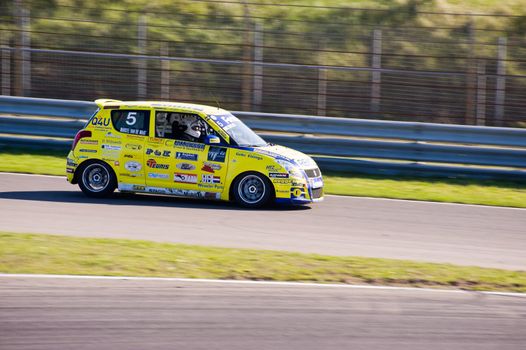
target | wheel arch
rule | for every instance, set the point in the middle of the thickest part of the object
(87, 162)
(234, 180)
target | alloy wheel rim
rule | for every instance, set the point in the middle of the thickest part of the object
(251, 189)
(96, 177)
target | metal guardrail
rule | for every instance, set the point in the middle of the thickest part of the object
(338, 144)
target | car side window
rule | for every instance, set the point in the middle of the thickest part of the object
(181, 126)
(131, 121)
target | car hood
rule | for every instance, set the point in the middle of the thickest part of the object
(280, 152)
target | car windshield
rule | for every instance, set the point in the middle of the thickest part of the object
(238, 131)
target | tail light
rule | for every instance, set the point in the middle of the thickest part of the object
(81, 134)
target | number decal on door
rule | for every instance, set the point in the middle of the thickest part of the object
(131, 119)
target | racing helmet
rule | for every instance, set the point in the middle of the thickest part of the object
(193, 128)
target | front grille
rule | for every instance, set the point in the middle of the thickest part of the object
(313, 172)
(317, 193)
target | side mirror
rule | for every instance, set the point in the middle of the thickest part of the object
(212, 139)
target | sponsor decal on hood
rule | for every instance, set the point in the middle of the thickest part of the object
(288, 154)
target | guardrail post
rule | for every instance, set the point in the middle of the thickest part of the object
(481, 93)
(6, 65)
(471, 78)
(322, 91)
(26, 54)
(258, 69)
(500, 89)
(165, 73)
(322, 81)
(376, 74)
(142, 63)
(22, 56)
(247, 53)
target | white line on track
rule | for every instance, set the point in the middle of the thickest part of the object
(37, 175)
(262, 283)
(336, 195)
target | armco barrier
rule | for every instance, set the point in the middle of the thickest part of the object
(338, 144)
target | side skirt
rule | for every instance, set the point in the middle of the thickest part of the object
(169, 191)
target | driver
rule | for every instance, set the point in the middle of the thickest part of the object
(192, 130)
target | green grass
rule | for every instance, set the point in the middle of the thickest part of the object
(32, 161)
(469, 191)
(48, 254)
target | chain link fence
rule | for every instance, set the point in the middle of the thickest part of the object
(333, 61)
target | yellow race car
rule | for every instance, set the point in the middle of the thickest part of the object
(186, 150)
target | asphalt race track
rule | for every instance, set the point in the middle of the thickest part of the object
(98, 314)
(460, 234)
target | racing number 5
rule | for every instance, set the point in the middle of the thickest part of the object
(131, 119)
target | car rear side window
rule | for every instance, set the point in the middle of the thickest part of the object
(135, 122)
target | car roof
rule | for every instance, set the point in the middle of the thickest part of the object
(170, 106)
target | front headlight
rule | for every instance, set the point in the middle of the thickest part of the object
(292, 169)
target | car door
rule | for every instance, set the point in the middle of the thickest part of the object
(195, 169)
(131, 129)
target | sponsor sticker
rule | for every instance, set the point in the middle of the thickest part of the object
(190, 145)
(138, 188)
(217, 154)
(157, 176)
(210, 179)
(84, 150)
(185, 166)
(297, 192)
(69, 170)
(131, 175)
(274, 168)
(111, 135)
(133, 166)
(254, 156)
(213, 165)
(186, 156)
(89, 142)
(112, 141)
(281, 181)
(101, 122)
(211, 195)
(133, 147)
(158, 153)
(111, 147)
(208, 169)
(128, 156)
(185, 178)
(152, 163)
(279, 175)
(133, 131)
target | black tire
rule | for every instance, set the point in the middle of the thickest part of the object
(97, 179)
(252, 190)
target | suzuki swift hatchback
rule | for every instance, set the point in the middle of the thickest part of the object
(186, 150)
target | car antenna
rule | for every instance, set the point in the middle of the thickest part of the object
(216, 100)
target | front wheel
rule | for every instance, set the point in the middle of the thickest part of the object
(252, 190)
(97, 180)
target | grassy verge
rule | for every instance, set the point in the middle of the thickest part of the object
(485, 192)
(467, 191)
(48, 254)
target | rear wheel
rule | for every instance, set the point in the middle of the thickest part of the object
(252, 190)
(97, 180)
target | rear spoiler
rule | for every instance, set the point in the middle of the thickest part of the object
(101, 102)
